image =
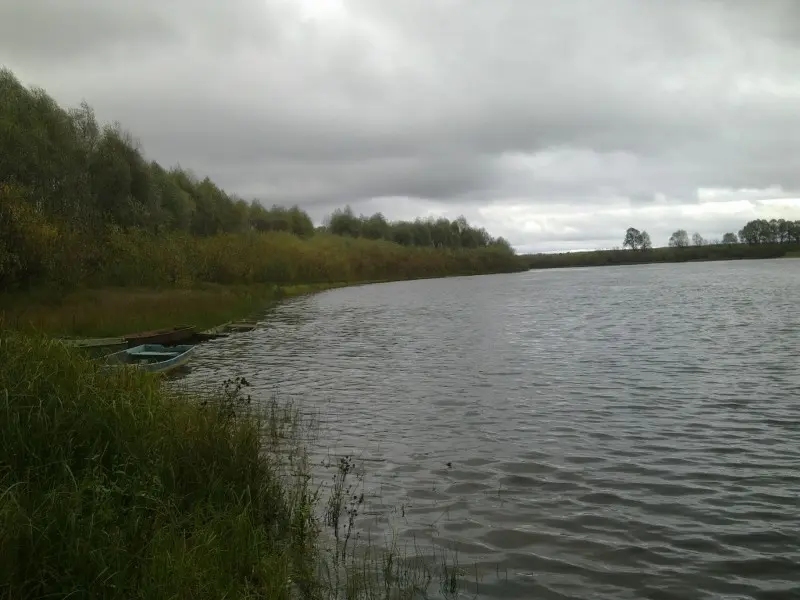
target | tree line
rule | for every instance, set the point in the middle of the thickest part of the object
(69, 184)
(757, 231)
(759, 238)
(437, 232)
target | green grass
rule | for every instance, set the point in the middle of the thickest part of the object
(112, 486)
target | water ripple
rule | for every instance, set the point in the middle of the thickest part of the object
(584, 433)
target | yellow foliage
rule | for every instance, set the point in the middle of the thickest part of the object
(40, 252)
(27, 240)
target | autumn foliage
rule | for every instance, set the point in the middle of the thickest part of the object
(81, 206)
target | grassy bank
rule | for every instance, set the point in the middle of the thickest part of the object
(112, 487)
(116, 311)
(709, 252)
(120, 310)
(52, 256)
(129, 281)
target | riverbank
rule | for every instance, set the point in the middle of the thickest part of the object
(713, 252)
(154, 493)
(119, 310)
(141, 282)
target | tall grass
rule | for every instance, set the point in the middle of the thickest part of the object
(112, 486)
(62, 259)
(120, 310)
(129, 281)
(116, 311)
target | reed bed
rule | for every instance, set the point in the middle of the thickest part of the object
(115, 486)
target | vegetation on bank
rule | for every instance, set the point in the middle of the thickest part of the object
(80, 206)
(207, 280)
(113, 487)
(757, 231)
(597, 258)
(759, 238)
(117, 311)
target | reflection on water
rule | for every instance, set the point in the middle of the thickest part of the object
(628, 432)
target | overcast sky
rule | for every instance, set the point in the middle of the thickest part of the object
(555, 123)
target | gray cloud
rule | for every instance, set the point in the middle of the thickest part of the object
(572, 106)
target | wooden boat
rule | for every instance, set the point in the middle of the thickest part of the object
(242, 326)
(172, 335)
(218, 331)
(153, 358)
(205, 336)
(227, 328)
(221, 331)
(107, 342)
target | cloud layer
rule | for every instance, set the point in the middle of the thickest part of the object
(556, 124)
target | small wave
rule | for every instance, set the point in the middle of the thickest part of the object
(610, 433)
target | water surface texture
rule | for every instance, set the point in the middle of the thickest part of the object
(619, 432)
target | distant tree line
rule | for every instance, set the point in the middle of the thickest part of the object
(708, 252)
(774, 231)
(758, 231)
(760, 238)
(69, 184)
(437, 232)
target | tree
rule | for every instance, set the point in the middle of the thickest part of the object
(300, 223)
(679, 239)
(441, 234)
(748, 234)
(637, 240)
(375, 227)
(697, 239)
(344, 222)
(730, 238)
(760, 231)
(769, 231)
(794, 232)
(783, 230)
(403, 233)
(633, 238)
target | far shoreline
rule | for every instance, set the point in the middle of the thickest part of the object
(705, 253)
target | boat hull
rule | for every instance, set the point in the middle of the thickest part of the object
(241, 327)
(204, 336)
(152, 358)
(174, 335)
(109, 342)
(230, 327)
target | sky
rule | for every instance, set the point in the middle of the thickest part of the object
(556, 124)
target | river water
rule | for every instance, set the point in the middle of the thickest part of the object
(617, 432)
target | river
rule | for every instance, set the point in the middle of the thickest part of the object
(615, 432)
